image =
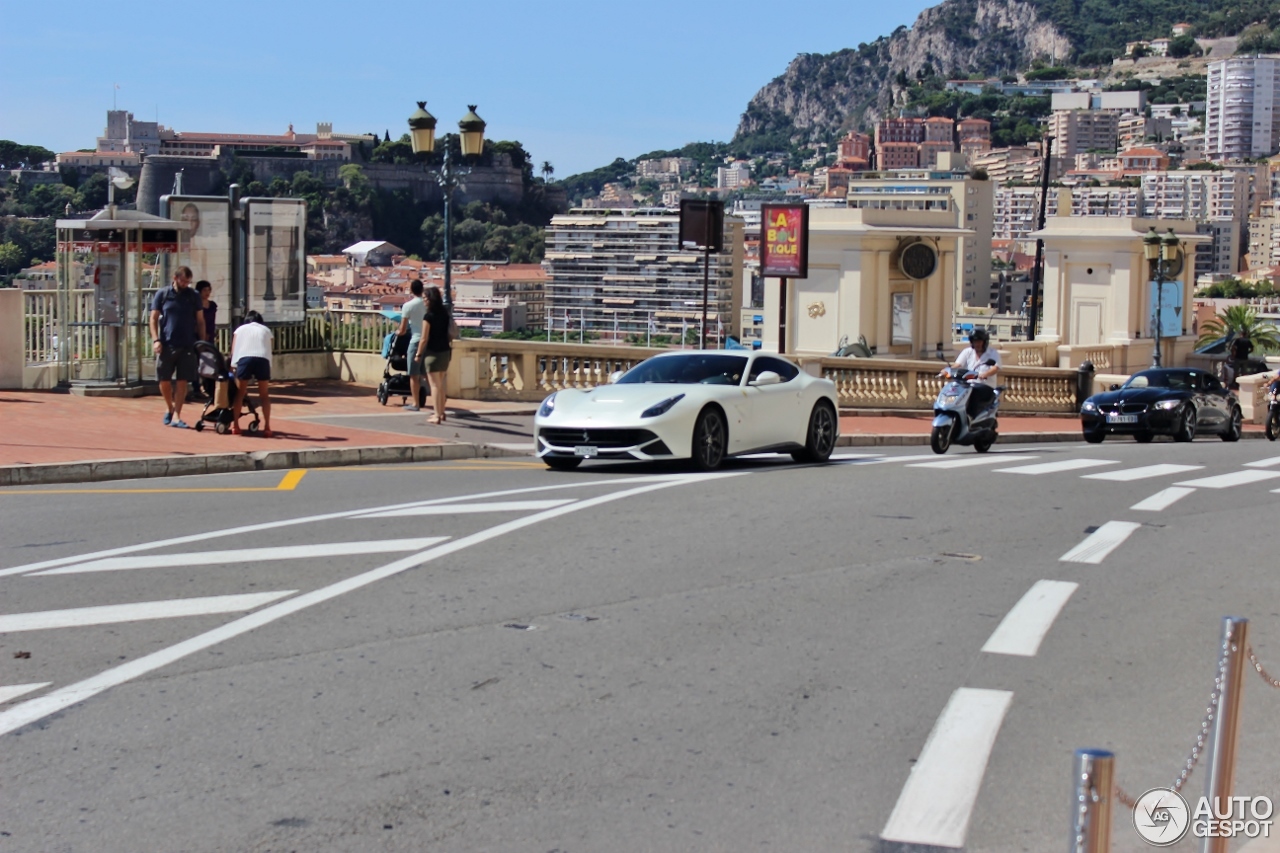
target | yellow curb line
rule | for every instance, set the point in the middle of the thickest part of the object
(288, 484)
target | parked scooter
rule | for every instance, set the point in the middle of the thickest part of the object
(951, 421)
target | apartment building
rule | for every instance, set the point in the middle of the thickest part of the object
(626, 267)
(940, 190)
(1077, 131)
(1264, 236)
(734, 175)
(1133, 130)
(1242, 112)
(1218, 200)
(1020, 164)
(1016, 211)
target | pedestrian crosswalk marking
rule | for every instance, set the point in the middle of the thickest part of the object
(13, 691)
(466, 508)
(1235, 478)
(1143, 473)
(111, 614)
(1263, 463)
(1162, 499)
(968, 461)
(1101, 542)
(1054, 467)
(247, 555)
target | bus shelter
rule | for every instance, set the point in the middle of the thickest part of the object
(109, 268)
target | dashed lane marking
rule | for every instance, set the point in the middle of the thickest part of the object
(246, 555)
(1101, 542)
(288, 484)
(936, 804)
(1163, 499)
(1024, 627)
(111, 614)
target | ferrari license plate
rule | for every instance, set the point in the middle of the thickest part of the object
(1122, 419)
(586, 450)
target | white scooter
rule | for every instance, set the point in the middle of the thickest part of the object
(951, 421)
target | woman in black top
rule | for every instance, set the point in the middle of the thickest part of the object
(434, 350)
(210, 310)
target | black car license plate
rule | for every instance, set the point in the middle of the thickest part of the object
(1122, 419)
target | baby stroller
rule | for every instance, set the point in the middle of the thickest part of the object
(395, 376)
(210, 364)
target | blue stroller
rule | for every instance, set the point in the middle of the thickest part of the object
(395, 375)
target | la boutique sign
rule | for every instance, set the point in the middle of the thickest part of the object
(784, 244)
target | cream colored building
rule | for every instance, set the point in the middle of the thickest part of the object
(890, 275)
(1098, 290)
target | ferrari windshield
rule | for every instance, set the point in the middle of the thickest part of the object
(692, 369)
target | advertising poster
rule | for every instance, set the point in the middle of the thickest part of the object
(206, 248)
(277, 265)
(107, 282)
(784, 240)
(903, 308)
(1170, 315)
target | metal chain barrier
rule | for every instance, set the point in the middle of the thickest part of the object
(1206, 724)
(1266, 676)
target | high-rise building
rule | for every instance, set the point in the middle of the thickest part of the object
(1077, 131)
(1218, 200)
(626, 269)
(1242, 113)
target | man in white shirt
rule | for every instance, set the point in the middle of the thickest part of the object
(978, 358)
(411, 316)
(251, 359)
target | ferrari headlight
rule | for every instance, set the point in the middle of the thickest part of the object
(548, 406)
(1089, 406)
(661, 408)
(1168, 404)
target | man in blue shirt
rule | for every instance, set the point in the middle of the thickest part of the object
(176, 324)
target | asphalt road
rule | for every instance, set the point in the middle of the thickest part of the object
(485, 655)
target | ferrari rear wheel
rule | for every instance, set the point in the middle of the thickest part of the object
(710, 438)
(561, 463)
(820, 440)
(1235, 426)
(1186, 430)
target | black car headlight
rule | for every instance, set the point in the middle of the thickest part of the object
(661, 408)
(1168, 404)
(1089, 406)
(548, 406)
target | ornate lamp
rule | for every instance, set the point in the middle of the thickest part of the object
(422, 130)
(471, 129)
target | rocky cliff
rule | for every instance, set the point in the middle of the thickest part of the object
(822, 95)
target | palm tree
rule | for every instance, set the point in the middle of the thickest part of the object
(547, 170)
(1236, 319)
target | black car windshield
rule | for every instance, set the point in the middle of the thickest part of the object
(1161, 379)
(692, 369)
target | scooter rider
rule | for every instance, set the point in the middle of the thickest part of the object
(974, 359)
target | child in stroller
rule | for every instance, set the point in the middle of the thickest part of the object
(395, 375)
(211, 364)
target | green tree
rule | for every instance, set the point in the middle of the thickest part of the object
(547, 170)
(12, 257)
(1236, 319)
(1184, 45)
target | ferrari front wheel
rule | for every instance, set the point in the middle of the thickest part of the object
(710, 438)
(820, 439)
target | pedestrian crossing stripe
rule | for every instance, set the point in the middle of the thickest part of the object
(111, 614)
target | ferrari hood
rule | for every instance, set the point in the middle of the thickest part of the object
(609, 401)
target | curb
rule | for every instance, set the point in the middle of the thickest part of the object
(227, 463)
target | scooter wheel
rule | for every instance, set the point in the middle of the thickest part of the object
(940, 438)
(1273, 427)
(984, 445)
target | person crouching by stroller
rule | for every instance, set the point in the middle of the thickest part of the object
(251, 359)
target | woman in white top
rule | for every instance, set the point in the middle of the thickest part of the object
(251, 359)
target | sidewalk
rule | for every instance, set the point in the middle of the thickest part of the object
(48, 437)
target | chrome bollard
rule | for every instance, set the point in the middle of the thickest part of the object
(1220, 758)
(1093, 788)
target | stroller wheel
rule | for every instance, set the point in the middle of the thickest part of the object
(253, 427)
(220, 427)
(199, 426)
(382, 394)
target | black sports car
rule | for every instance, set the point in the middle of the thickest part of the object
(1176, 401)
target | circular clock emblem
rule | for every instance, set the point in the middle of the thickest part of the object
(918, 261)
(1173, 268)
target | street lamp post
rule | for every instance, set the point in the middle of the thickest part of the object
(422, 132)
(1160, 252)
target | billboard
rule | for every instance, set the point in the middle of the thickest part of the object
(206, 248)
(784, 240)
(702, 224)
(1170, 316)
(276, 258)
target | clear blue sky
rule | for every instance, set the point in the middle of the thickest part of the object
(577, 82)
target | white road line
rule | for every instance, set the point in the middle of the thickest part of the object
(1055, 467)
(1226, 481)
(288, 522)
(246, 555)
(28, 712)
(936, 804)
(1101, 542)
(468, 508)
(967, 461)
(1023, 628)
(1143, 473)
(1263, 463)
(1163, 499)
(13, 691)
(111, 614)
